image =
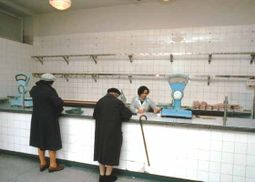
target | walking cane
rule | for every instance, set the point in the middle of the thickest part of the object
(144, 142)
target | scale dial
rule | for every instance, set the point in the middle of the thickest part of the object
(21, 89)
(177, 95)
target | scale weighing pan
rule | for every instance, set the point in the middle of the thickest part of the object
(177, 84)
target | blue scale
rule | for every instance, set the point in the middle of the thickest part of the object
(21, 100)
(177, 84)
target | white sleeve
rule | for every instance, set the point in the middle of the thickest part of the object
(133, 105)
(152, 104)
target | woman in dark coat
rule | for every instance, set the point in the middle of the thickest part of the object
(45, 131)
(109, 113)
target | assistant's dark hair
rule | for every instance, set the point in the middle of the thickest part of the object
(114, 90)
(142, 89)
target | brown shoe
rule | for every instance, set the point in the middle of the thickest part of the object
(55, 169)
(43, 167)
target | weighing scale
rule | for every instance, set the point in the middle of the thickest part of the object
(177, 84)
(20, 100)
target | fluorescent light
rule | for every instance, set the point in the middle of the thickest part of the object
(60, 4)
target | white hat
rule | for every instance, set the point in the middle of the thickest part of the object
(48, 77)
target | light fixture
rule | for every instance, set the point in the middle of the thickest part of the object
(60, 4)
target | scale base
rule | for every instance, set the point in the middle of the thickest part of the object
(17, 102)
(178, 113)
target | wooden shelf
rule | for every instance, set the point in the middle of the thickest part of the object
(78, 103)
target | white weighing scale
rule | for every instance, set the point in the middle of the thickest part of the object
(177, 84)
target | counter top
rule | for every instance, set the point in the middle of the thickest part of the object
(211, 122)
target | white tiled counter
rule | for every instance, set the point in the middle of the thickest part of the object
(197, 149)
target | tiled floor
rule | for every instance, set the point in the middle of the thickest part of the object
(21, 169)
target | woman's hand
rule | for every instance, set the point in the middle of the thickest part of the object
(140, 111)
(157, 110)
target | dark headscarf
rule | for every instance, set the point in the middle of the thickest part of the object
(114, 90)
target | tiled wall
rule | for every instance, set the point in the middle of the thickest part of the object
(151, 49)
(14, 58)
(200, 154)
(208, 155)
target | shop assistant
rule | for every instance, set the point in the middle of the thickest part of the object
(142, 103)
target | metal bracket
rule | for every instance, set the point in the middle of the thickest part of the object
(131, 58)
(95, 77)
(39, 58)
(130, 78)
(36, 75)
(208, 80)
(209, 58)
(66, 77)
(171, 58)
(252, 58)
(66, 58)
(94, 57)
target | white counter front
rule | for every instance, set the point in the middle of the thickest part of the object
(197, 153)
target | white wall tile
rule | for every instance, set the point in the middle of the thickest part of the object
(238, 179)
(240, 159)
(202, 175)
(214, 177)
(250, 172)
(215, 167)
(228, 146)
(241, 148)
(226, 178)
(250, 160)
(239, 170)
(227, 168)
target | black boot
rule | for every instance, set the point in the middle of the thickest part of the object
(101, 178)
(110, 178)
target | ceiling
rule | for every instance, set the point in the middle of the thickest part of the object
(32, 7)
